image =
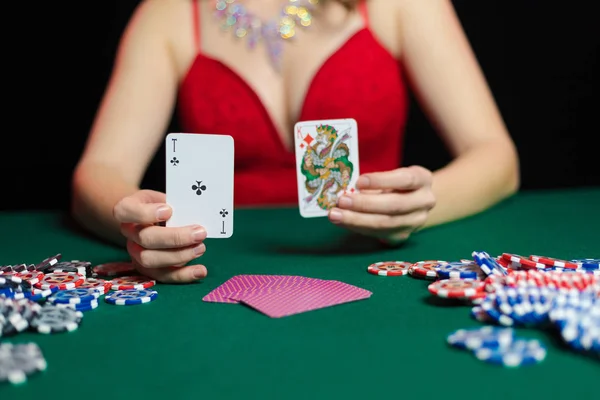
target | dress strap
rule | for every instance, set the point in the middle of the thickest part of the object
(196, 19)
(364, 12)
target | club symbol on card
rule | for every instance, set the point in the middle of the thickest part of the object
(199, 187)
(224, 213)
(174, 161)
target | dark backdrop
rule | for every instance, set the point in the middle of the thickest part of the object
(540, 58)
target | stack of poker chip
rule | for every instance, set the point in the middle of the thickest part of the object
(515, 291)
(51, 297)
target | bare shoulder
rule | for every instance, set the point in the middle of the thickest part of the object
(384, 21)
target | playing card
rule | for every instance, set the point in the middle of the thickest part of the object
(294, 300)
(326, 163)
(242, 284)
(199, 181)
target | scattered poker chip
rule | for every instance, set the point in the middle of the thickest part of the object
(477, 338)
(113, 269)
(62, 280)
(131, 297)
(519, 353)
(52, 319)
(17, 361)
(74, 296)
(389, 268)
(456, 288)
(132, 282)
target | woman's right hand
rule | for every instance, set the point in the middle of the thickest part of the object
(159, 252)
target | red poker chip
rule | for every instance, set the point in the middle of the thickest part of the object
(456, 288)
(32, 277)
(61, 280)
(389, 268)
(100, 285)
(114, 269)
(554, 262)
(426, 269)
(522, 262)
(132, 283)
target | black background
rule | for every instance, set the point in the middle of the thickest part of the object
(541, 59)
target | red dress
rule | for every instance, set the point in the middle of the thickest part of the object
(214, 99)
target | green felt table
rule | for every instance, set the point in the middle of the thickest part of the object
(392, 345)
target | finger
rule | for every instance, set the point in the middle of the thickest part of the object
(380, 224)
(187, 274)
(409, 178)
(160, 237)
(133, 209)
(388, 203)
(150, 258)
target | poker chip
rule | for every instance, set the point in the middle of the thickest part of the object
(587, 263)
(74, 296)
(520, 352)
(44, 264)
(113, 269)
(132, 282)
(553, 262)
(456, 288)
(477, 338)
(488, 264)
(61, 280)
(87, 306)
(18, 361)
(459, 270)
(99, 285)
(53, 319)
(131, 297)
(389, 268)
(31, 277)
(426, 269)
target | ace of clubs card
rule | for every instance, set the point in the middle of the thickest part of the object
(326, 163)
(199, 182)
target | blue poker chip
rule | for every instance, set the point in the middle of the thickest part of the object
(74, 296)
(496, 315)
(488, 264)
(91, 305)
(477, 338)
(40, 294)
(460, 270)
(520, 352)
(131, 297)
(587, 263)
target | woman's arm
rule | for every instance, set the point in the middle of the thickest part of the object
(452, 90)
(130, 123)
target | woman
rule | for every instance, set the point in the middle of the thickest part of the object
(322, 60)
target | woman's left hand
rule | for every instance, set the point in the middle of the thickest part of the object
(390, 205)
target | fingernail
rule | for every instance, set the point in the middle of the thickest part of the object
(335, 215)
(199, 250)
(345, 201)
(198, 234)
(198, 273)
(162, 213)
(363, 182)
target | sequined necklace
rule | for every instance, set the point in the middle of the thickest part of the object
(273, 33)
